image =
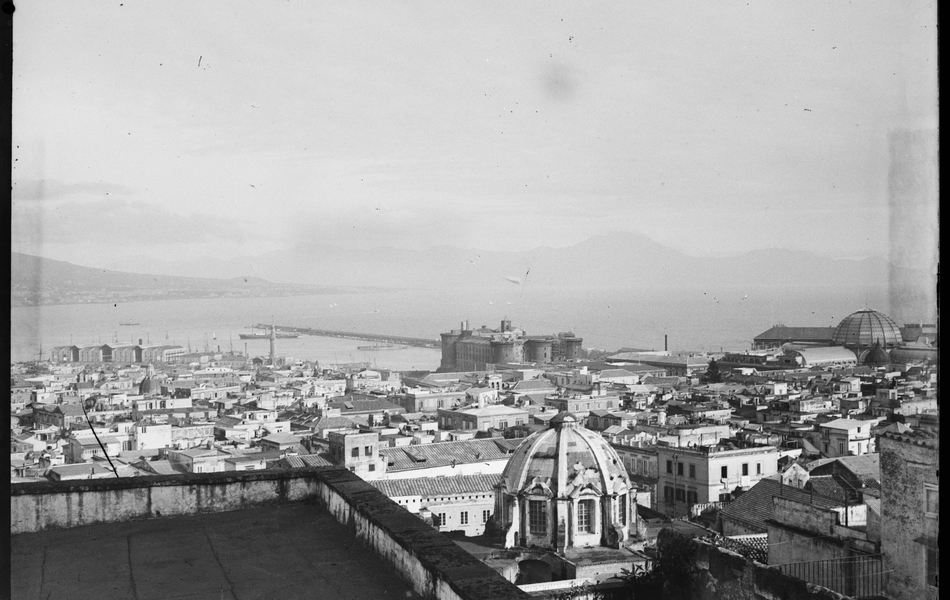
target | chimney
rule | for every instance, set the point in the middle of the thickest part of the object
(666, 347)
(140, 341)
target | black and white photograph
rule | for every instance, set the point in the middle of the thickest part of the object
(474, 300)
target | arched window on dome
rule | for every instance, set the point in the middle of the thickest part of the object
(586, 515)
(538, 516)
(622, 509)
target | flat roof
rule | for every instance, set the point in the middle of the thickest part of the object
(287, 551)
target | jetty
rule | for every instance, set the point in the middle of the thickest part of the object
(367, 337)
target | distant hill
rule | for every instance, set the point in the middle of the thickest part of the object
(36, 280)
(616, 260)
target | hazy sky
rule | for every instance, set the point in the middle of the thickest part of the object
(176, 129)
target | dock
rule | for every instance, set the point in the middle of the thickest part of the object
(368, 337)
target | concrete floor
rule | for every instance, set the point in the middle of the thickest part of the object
(281, 552)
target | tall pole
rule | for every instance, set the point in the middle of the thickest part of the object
(273, 343)
(675, 471)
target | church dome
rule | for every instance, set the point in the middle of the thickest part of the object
(865, 328)
(565, 456)
(565, 487)
(876, 357)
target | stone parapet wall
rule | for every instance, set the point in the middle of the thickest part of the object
(430, 562)
(60, 505)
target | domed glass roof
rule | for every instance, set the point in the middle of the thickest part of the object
(866, 328)
(564, 458)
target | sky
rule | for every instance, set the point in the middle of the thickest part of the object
(175, 130)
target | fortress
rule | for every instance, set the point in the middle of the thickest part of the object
(467, 349)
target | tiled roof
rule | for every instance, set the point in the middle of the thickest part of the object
(865, 465)
(447, 453)
(165, 467)
(828, 486)
(755, 506)
(610, 373)
(534, 385)
(919, 437)
(309, 460)
(846, 424)
(658, 380)
(281, 438)
(437, 486)
(797, 333)
(335, 423)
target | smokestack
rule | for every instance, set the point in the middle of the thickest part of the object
(665, 343)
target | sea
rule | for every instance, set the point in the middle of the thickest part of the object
(606, 317)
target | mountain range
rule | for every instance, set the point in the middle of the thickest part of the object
(36, 280)
(609, 260)
(615, 260)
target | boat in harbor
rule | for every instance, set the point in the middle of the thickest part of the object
(382, 347)
(263, 333)
(258, 335)
(128, 324)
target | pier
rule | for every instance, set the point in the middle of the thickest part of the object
(368, 337)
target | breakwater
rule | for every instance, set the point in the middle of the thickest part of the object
(352, 335)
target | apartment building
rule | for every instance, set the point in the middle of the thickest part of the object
(704, 474)
(845, 437)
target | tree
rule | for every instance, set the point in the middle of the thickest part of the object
(713, 375)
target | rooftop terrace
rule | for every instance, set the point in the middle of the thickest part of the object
(301, 533)
(290, 551)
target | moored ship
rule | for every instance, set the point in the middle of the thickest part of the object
(265, 335)
(382, 347)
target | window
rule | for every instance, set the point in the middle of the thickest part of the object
(724, 472)
(463, 517)
(668, 495)
(692, 497)
(841, 448)
(440, 519)
(680, 495)
(485, 515)
(368, 450)
(725, 497)
(622, 509)
(355, 452)
(502, 424)
(758, 468)
(585, 520)
(669, 466)
(692, 471)
(931, 501)
(372, 467)
(745, 468)
(679, 469)
(537, 517)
